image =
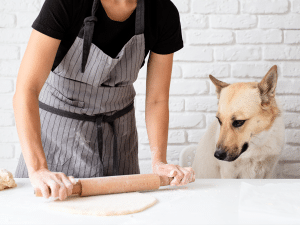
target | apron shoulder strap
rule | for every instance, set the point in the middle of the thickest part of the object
(88, 29)
(140, 17)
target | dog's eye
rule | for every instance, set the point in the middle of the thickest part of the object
(219, 121)
(238, 123)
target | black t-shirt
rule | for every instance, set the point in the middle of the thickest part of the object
(62, 19)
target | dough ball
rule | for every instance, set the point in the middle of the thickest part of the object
(6, 180)
(104, 205)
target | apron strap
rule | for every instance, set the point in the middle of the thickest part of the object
(88, 29)
(98, 118)
(140, 17)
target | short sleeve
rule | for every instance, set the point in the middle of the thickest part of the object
(170, 35)
(55, 18)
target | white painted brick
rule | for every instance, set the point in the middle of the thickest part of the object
(139, 103)
(188, 87)
(201, 103)
(281, 52)
(290, 86)
(8, 135)
(194, 136)
(210, 37)
(233, 21)
(19, 6)
(290, 103)
(144, 152)
(290, 153)
(12, 35)
(140, 86)
(253, 70)
(264, 6)
(182, 5)
(11, 52)
(145, 166)
(189, 53)
(193, 21)
(292, 36)
(176, 104)
(174, 136)
(176, 71)
(18, 151)
(9, 164)
(291, 169)
(215, 6)
(292, 120)
(186, 120)
(238, 53)
(7, 119)
(6, 102)
(291, 69)
(25, 19)
(140, 119)
(202, 70)
(210, 118)
(295, 6)
(173, 152)
(292, 136)
(6, 85)
(6, 151)
(184, 36)
(7, 20)
(258, 36)
(142, 135)
(10, 67)
(290, 21)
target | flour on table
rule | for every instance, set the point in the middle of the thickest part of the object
(104, 205)
(6, 180)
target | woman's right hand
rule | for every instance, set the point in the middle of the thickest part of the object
(61, 186)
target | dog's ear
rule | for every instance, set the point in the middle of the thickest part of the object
(267, 86)
(219, 84)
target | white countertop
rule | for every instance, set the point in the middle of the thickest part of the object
(206, 201)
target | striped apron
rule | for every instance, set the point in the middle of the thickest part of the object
(86, 106)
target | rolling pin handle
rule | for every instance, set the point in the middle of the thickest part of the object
(77, 189)
(164, 180)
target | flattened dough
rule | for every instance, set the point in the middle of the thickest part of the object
(6, 180)
(104, 205)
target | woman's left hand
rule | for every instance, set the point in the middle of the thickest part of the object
(182, 175)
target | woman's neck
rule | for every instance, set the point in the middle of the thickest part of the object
(119, 10)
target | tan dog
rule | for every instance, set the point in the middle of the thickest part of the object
(247, 137)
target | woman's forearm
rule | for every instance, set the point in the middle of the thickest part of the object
(157, 123)
(26, 111)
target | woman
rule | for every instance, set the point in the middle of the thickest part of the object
(78, 70)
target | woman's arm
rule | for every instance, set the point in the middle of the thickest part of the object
(33, 72)
(159, 72)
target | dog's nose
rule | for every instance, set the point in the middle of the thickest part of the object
(220, 154)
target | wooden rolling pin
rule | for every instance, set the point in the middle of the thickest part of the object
(117, 184)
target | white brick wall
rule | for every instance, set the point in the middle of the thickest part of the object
(235, 40)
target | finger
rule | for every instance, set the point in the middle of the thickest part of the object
(187, 175)
(44, 189)
(67, 184)
(191, 173)
(62, 192)
(177, 179)
(54, 186)
(72, 179)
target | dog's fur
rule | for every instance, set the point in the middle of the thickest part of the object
(263, 131)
